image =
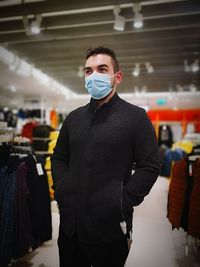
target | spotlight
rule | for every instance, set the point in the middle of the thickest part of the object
(119, 24)
(195, 66)
(35, 27)
(136, 70)
(138, 18)
(12, 88)
(80, 72)
(179, 88)
(138, 21)
(192, 88)
(144, 89)
(149, 67)
(32, 27)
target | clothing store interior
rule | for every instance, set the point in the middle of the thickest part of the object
(42, 59)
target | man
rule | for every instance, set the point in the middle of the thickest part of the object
(95, 186)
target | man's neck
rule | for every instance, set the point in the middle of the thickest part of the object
(106, 99)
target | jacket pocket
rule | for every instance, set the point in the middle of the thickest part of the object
(62, 186)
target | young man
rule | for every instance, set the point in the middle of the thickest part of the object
(95, 186)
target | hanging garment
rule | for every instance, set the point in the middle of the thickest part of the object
(165, 135)
(7, 198)
(25, 211)
(5, 151)
(170, 157)
(42, 131)
(48, 163)
(40, 145)
(51, 146)
(27, 130)
(22, 236)
(194, 208)
(39, 203)
(54, 118)
(41, 137)
(54, 135)
(185, 145)
(176, 195)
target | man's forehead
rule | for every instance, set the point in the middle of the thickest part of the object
(99, 59)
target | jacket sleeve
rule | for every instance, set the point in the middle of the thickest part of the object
(60, 157)
(147, 163)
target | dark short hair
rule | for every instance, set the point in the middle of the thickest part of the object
(104, 50)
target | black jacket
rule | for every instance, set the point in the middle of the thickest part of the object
(92, 168)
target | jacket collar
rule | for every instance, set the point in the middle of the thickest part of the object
(112, 101)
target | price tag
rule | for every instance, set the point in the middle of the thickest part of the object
(190, 169)
(39, 169)
(123, 227)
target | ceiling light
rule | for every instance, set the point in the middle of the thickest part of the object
(179, 88)
(192, 88)
(138, 21)
(195, 66)
(149, 67)
(138, 17)
(12, 88)
(32, 26)
(35, 27)
(136, 70)
(144, 89)
(119, 23)
(80, 72)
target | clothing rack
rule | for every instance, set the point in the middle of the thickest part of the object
(184, 197)
(42, 153)
(195, 154)
(6, 134)
(21, 146)
(25, 214)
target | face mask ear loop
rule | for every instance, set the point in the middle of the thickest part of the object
(112, 78)
(114, 75)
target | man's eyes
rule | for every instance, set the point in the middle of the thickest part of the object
(100, 70)
(87, 72)
(103, 70)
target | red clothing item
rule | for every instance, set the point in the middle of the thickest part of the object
(27, 130)
(177, 191)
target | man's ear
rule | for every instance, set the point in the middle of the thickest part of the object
(118, 77)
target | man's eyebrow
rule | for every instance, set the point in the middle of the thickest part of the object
(102, 65)
(87, 68)
(99, 66)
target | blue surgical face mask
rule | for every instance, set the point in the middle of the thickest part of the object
(98, 85)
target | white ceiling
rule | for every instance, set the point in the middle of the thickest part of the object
(170, 35)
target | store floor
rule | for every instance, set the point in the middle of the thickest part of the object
(154, 245)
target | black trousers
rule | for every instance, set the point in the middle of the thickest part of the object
(73, 253)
